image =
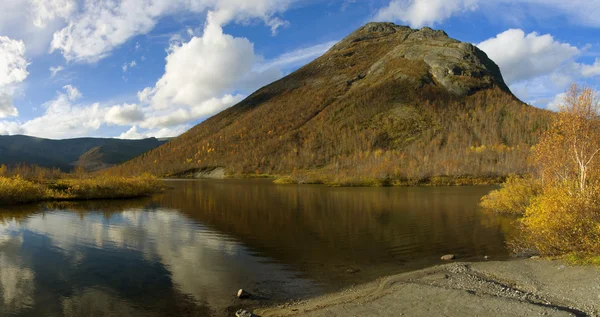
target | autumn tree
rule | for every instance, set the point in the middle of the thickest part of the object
(562, 214)
(570, 150)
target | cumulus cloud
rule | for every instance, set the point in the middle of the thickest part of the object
(126, 114)
(202, 68)
(419, 13)
(134, 133)
(524, 56)
(201, 76)
(591, 70)
(537, 67)
(13, 70)
(10, 128)
(63, 119)
(104, 25)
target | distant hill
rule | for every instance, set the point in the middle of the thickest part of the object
(91, 153)
(388, 102)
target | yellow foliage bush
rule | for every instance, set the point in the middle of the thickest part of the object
(563, 220)
(105, 187)
(514, 196)
(16, 190)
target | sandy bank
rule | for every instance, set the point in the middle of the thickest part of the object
(512, 288)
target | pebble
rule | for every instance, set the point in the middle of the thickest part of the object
(244, 313)
(448, 257)
(241, 294)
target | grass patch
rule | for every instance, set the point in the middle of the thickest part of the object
(578, 259)
(15, 190)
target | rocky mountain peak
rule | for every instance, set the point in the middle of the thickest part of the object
(460, 67)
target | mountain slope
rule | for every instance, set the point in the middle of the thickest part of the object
(90, 153)
(387, 102)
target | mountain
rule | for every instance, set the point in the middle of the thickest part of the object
(90, 153)
(386, 103)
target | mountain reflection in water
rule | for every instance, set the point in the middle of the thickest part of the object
(187, 251)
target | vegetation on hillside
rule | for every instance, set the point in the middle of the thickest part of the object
(365, 114)
(32, 184)
(370, 139)
(560, 207)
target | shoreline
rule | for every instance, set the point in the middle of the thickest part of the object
(437, 181)
(496, 288)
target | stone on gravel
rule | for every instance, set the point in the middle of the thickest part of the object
(448, 257)
(242, 294)
(244, 313)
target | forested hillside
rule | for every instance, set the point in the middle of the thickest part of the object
(386, 103)
(89, 153)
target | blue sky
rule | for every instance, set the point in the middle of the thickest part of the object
(140, 68)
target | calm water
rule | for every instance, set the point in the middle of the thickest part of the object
(187, 252)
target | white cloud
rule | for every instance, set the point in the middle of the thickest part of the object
(10, 128)
(104, 25)
(135, 134)
(129, 65)
(132, 134)
(419, 13)
(523, 57)
(63, 119)
(276, 23)
(126, 114)
(48, 10)
(13, 65)
(556, 103)
(72, 92)
(18, 20)
(182, 115)
(13, 70)
(55, 70)
(206, 75)
(591, 70)
(537, 67)
(198, 72)
(297, 57)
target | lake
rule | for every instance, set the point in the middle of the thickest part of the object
(186, 252)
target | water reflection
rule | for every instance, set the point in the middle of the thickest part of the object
(186, 252)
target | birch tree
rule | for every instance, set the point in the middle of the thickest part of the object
(570, 150)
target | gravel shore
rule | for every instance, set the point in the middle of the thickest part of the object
(511, 288)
